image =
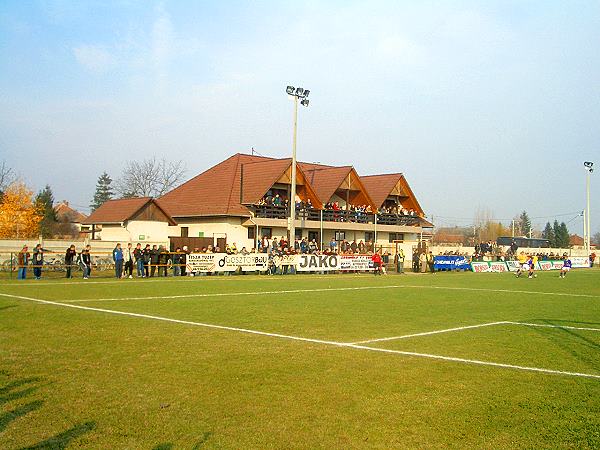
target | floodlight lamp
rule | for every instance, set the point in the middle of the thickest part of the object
(588, 164)
(304, 102)
(290, 90)
(306, 92)
(299, 92)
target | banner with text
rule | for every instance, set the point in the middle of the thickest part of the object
(451, 263)
(222, 262)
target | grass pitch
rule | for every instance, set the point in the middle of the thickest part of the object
(302, 362)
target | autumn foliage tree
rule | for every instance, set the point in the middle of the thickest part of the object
(19, 217)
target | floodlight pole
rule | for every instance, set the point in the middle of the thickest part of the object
(587, 218)
(292, 200)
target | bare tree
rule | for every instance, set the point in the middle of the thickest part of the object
(7, 176)
(149, 178)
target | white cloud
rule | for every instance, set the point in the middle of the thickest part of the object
(94, 58)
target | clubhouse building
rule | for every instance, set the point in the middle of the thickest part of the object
(247, 197)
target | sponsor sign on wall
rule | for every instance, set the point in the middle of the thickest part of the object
(580, 261)
(483, 266)
(450, 263)
(479, 267)
(356, 262)
(222, 262)
(308, 263)
(513, 266)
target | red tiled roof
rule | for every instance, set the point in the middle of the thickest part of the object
(216, 191)
(120, 210)
(64, 213)
(380, 186)
(325, 179)
(259, 176)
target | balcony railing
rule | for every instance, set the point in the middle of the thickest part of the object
(330, 215)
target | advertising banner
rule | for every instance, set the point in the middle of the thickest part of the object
(450, 263)
(355, 262)
(200, 262)
(479, 267)
(308, 263)
(580, 261)
(513, 266)
(222, 262)
(497, 266)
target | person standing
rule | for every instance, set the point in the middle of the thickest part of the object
(147, 254)
(138, 254)
(70, 255)
(85, 259)
(176, 260)
(117, 256)
(22, 260)
(128, 261)
(154, 259)
(38, 261)
(376, 258)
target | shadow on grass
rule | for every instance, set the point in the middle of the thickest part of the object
(8, 394)
(7, 418)
(573, 336)
(8, 307)
(62, 440)
(169, 446)
(560, 322)
(18, 383)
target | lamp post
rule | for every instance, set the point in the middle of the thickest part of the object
(298, 94)
(589, 166)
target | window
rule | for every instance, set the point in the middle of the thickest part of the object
(369, 236)
(266, 232)
(396, 237)
(184, 231)
(340, 235)
(251, 232)
(313, 235)
(299, 233)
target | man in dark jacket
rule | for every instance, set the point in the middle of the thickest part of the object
(70, 255)
(154, 259)
(38, 261)
(22, 260)
(147, 252)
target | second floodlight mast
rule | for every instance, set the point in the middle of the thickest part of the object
(302, 95)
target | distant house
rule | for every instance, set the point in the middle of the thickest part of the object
(70, 219)
(576, 241)
(130, 219)
(246, 197)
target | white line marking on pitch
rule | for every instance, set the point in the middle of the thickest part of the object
(298, 291)
(66, 282)
(428, 333)
(232, 294)
(315, 341)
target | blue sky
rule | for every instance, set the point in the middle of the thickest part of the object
(483, 105)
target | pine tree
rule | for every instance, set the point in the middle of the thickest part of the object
(548, 233)
(524, 224)
(44, 203)
(104, 191)
(564, 236)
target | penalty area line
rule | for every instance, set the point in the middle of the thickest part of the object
(428, 333)
(310, 340)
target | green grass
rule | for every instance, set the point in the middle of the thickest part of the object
(74, 378)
